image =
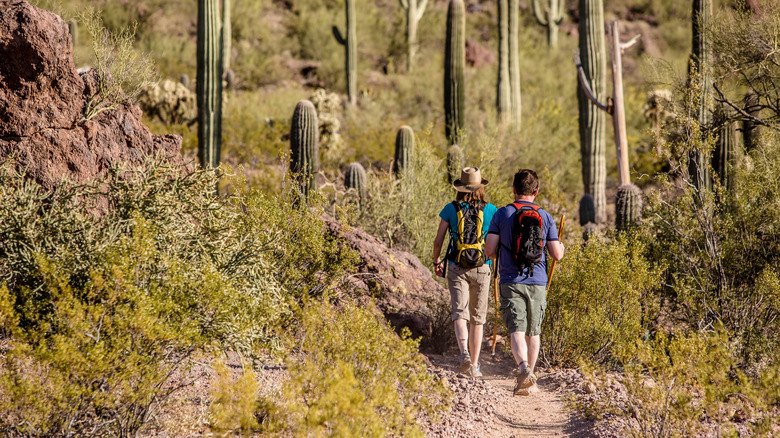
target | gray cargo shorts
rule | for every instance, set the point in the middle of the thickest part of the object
(469, 290)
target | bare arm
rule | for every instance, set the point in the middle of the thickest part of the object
(555, 248)
(439, 241)
(491, 245)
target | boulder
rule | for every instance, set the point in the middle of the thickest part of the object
(477, 55)
(42, 100)
(405, 291)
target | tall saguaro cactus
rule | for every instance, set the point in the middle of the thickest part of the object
(304, 150)
(227, 35)
(592, 121)
(514, 60)
(454, 62)
(503, 102)
(725, 157)
(701, 66)
(404, 150)
(209, 83)
(349, 41)
(414, 12)
(549, 17)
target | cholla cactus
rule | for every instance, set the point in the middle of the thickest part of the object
(169, 101)
(328, 107)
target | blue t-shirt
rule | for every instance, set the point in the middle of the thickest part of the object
(450, 215)
(507, 269)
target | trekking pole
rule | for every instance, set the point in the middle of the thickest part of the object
(498, 316)
(560, 236)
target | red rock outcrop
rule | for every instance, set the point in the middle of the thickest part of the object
(42, 100)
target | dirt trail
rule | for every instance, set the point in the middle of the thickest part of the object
(486, 407)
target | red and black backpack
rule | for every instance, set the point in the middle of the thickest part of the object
(527, 237)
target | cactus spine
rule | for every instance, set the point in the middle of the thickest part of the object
(592, 121)
(304, 151)
(227, 36)
(549, 17)
(503, 102)
(414, 12)
(628, 207)
(355, 178)
(404, 149)
(350, 55)
(454, 163)
(700, 65)
(73, 28)
(514, 60)
(454, 62)
(209, 85)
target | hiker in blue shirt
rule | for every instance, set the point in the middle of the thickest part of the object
(523, 286)
(468, 269)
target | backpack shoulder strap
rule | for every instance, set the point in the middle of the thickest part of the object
(519, 206)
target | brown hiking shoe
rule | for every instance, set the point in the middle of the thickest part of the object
(465, 363)
(524, 379)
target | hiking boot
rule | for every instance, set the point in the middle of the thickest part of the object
(475, 371)
(524, 379)
(465, 363)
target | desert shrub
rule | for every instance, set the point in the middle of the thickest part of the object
(234, 401)
(351, 375)
(687, 384)
(599, 296)
(111, 286)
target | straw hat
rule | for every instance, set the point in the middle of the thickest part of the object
(470, 180)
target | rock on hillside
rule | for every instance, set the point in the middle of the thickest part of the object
(42, 100)
(405, 290)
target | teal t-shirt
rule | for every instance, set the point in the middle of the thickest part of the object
(450, 215)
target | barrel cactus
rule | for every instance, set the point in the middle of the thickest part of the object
(355, 178)
(350, 56)
(628, 207)
(404, 150)
(304, 151)
(209, 83)
(454, 62)
(592, 121)
(454, 163)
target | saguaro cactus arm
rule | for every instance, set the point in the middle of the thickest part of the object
(554, 12)
(337, 34)
(585, 84)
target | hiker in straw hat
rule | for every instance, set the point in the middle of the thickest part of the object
(467, 269)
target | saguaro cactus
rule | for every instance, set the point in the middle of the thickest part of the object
(355, 178)
(503, 102)
(304, 150)
(227, 36)
(404, 149)
(454, 62)
(700, 65)
(628, 206)
(725, 157)
(592, 121)
(514, 60)
(750, 129)
(414, 12)
(73, 28)
(209, 83)
(549, 17)
(454, 163)
(350, 51)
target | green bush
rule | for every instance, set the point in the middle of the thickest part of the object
(111, 286)
(600, 296)
(351, 375)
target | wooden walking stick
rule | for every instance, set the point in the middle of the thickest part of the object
(560, 236)
(498, 315)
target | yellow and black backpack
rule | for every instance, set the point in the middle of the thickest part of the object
(467, 246)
